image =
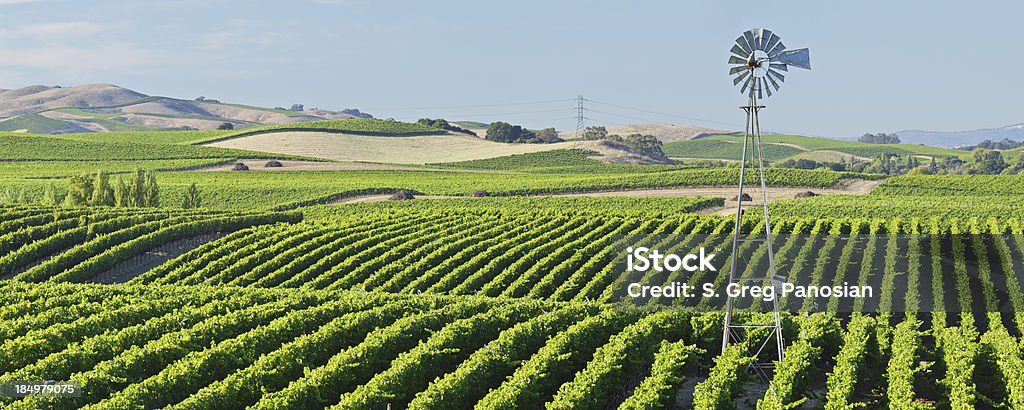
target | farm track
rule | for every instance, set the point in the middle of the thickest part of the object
(846, 187)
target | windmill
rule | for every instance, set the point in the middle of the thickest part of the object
(759, 59)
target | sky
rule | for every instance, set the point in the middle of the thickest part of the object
(877, 66)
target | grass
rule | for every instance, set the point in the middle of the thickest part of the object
(58, 169)
(884, 206)
(359, 126)
(723, 149)
(850, 147)
(24, 147)
(33, 123)
(618, 205)
(556, 161)
(148, 137)
(824, 155)
(288, 113)
(471, 124)
(270, 190)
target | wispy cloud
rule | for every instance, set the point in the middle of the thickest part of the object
(222, 40)
(52, 30)
(15, 2)
(76, 62)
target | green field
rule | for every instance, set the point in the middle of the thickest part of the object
(32, 123)
(724, 149)
(26, 147)
(555, 161)
(809, 144)
(365, 126)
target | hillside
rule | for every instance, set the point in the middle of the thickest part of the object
(106, 107)
(958, 138)
(781, 147)
(664, 132)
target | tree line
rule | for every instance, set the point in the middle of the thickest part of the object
(139, 190)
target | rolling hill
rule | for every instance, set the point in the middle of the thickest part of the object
(106, 107)
(781, 147)
(958, 138)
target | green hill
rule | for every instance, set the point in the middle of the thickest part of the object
(780, 147)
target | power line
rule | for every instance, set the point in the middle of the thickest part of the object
(562, 100)
(663, 113)
(628, 117)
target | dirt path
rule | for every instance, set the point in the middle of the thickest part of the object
(844, 187)
(377, 198)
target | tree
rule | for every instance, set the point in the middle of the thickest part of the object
(80, 191)
(72, 200)
(226, 126)
(880, 138)
(988, 162)
(595, 133)
(122, 198)
(548, 135)
(192, 197)
(297, 107)
(137, 189)
(152, 197)
(50, 195)
(102, 193)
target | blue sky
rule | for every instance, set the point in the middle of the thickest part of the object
(877, 66)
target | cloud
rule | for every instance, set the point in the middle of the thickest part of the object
(75, 62)
(243, 33)
(52, 30)
(16, 2)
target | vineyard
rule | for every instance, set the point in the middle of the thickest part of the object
(431, 307)
(355, 126)
(20, 147)
(510, 300)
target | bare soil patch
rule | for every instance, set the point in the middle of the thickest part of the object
(288, 165)
(401, 150)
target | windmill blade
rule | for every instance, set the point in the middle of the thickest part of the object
(768, 90)
(772, 81)
(772, 40)
(760, 92)
(777, 66)
(742, 42)
(736, 69)
(797, 58)
(740, 77)
(777, 48)
(777, 76)
(737, 50)
(736, 60)
(749, 35)
(759, 38)
(746, 84)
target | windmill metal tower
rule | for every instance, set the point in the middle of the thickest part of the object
(758, 59)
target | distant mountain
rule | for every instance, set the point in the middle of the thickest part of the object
(106, 107)
(958, 138)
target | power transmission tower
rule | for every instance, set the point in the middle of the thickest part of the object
(579, 118)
